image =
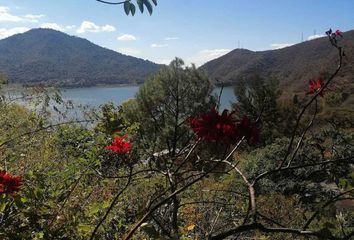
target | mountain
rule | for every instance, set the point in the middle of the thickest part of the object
(51, 57)
(293, 65)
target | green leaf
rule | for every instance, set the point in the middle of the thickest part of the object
(38, 236)
(132, 9)
(106, 204)
(85, 228)
(140, 5)
(148, 6)
(127, 7)
(95, 208)
(3, 206)
(155, 2)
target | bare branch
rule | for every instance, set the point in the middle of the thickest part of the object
(340, 56)
(326, 204)
(178, 191)
(111, 206)
(340, 160)
(42, 129)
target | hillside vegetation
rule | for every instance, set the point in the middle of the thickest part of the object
(293, 65)
(53, 58)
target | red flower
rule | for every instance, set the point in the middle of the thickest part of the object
(8, 184)
(339, 33)
(120, 146)
(249, 130)
(315, 86)
(213, 127)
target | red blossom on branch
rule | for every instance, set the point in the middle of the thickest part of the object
(120, 146)
(339, 33)
(249, 130)
(334, 37)
(315, 86)
(213, 127)
(9, 184)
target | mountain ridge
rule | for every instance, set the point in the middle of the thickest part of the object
(293, 65)
(50, 57)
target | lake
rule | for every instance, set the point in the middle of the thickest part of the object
(96, 96)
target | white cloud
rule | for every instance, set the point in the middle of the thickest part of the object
(206, 55)
(315, 36)
(129, 51)
(171, 38)
(108, 28)
(4, 32)
(70, 27)
(57, 27)
(6, 16)
(87, 26)
(54, 26)
(163, 61)
(31, 16)
(280, 45)
(34, 18)
(155, 45)
(127, 37)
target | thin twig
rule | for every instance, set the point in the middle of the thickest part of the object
(340, 53)
(41, 129)
(181, 189)
(329, 202)
(111, 206)
(303, 135)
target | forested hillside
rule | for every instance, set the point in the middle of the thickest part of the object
(293, 65)
(54, 58)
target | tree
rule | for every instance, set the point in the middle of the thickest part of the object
(164, 104)
(258, 97)
(161, 110)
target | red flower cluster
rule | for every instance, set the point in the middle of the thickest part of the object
(338, 33)
(314, 86)
(120, 146)
(213, 127)
(334, 37)
(249, 130)
(9, 184)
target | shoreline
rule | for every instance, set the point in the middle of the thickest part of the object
(16, 87)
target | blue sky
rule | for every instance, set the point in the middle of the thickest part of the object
(195, 30)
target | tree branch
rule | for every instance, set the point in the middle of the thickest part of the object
(181, 189)
(340, 55)
(326, 204)
(41, 129)
(111, 206)
(112, 3)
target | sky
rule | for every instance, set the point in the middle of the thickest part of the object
(195, 30)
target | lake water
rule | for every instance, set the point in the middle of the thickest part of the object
(96, 96)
